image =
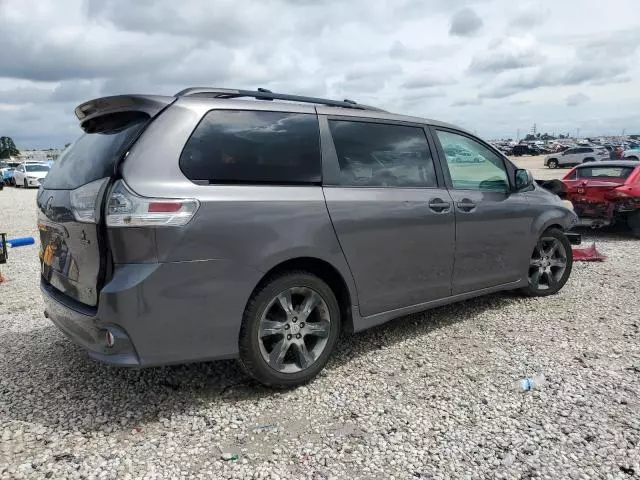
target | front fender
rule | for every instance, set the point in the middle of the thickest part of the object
(556, 216)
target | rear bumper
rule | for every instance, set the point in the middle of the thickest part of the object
(84, 328)
(159, 313)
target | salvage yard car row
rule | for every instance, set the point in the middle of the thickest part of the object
(26, 174)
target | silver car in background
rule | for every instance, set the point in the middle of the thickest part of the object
(576, 156)
(223, 223)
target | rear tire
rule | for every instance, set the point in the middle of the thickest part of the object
(632, 157)
(550, 264)
(283, 344)
(587, 160)
(552, 163)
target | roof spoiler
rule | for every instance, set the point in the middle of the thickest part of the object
(90, 111)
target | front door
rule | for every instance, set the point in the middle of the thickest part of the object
(392, 217)
(569, 157)
(492, 223)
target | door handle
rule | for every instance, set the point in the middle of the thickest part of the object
(439, 206)
(466, 205)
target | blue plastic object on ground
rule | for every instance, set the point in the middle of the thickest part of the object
(21, 242)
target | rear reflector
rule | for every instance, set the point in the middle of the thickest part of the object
(109, 339)
(164, 207)
(126, 209)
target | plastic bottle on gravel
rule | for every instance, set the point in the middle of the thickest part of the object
(530, 383)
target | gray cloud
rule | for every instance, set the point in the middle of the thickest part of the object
(231, 22)
(44, 58)
(22, 95)
(558, 75)
(467, 102)
(379, 69)
(400, 51)
(75, 91)
(496, 62)
(465, 23)
(576, 99)
(424, 80)
(529, 17)
(620, 45)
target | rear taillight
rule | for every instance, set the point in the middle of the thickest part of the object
(84, 201)
(126, 209)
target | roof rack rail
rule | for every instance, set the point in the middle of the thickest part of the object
(264, 94)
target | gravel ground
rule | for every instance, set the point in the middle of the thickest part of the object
(428, 396)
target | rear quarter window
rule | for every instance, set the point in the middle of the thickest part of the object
(254, 147)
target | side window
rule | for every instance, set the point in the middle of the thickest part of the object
(473, 166)
(382, 155)
(573, 176)
(569, 151)
(256, 147)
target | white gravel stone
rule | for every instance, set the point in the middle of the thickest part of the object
(430, 396)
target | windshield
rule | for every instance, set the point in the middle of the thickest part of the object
(36, 168)
(605, 172)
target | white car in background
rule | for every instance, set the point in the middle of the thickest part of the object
(576, 156)
(30, 174)
(631, 154)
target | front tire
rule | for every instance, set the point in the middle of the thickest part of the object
(553, 163)
(289, 329)
(26, 184)
(550, 264)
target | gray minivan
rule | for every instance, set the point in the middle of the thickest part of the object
(223, 223)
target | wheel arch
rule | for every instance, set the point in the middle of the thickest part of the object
(328, 273)
(553, 218)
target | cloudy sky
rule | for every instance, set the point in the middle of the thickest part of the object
(492, 66)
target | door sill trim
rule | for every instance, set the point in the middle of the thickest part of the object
(363, 323)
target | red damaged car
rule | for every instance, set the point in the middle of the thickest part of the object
(604, 193)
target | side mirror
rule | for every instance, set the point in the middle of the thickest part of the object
(524, 179)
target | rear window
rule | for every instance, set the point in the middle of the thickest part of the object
(605, 172)
(94, 155)
(256, 147)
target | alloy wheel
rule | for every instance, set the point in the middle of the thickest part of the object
(548, 263)
(294, 330)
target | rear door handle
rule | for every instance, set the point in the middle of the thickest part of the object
(439, 206)
(466, 205)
